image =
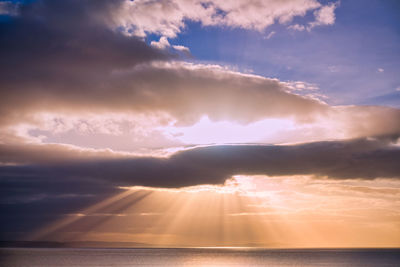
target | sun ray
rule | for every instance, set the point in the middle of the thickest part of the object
(76, 218)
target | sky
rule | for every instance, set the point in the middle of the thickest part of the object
(201, 123)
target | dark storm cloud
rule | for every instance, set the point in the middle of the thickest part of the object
(360, 158)
(56, 36)
(60, 48)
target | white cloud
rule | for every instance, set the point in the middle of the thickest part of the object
(297, 27)
(269, 36)
(301, 86)
(167, 18)
(181, 48)
(324, 16)
(161, 105)
(161, 44)
(381, 70)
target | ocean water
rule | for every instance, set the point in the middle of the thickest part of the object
(197, 257)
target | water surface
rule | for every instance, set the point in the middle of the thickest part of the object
(197, 257)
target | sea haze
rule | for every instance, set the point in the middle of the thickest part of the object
(18, 257)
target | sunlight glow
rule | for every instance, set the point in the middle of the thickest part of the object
(256, 211)
(221, 132)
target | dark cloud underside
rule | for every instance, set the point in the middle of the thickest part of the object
(359, 158)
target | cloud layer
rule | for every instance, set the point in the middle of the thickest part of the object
(100, 70)
(168, 18)
(359, 158)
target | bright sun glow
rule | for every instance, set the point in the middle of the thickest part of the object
(247, 210)
(210, 132)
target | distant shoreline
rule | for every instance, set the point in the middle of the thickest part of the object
(133, 245)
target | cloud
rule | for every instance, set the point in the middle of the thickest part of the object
(168, 18)
(98, 70)
(182, 49)
(269, 36)
(26, 153)
(357, 158)
(161, 44)
(41, 50)
(324, 16)
(297, 27)
(41, 45)
(81, 68)
(158, 134)
(158, 87)
(49, 66)
(365, 121)
(301, 86)
(64, 72)
(55, 180)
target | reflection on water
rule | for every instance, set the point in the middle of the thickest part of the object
(198, 257)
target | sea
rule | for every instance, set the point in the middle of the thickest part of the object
(76, 257)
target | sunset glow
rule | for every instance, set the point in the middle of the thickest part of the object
(261, 211)
(188, 123)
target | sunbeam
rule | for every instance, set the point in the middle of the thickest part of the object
(247, 211)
